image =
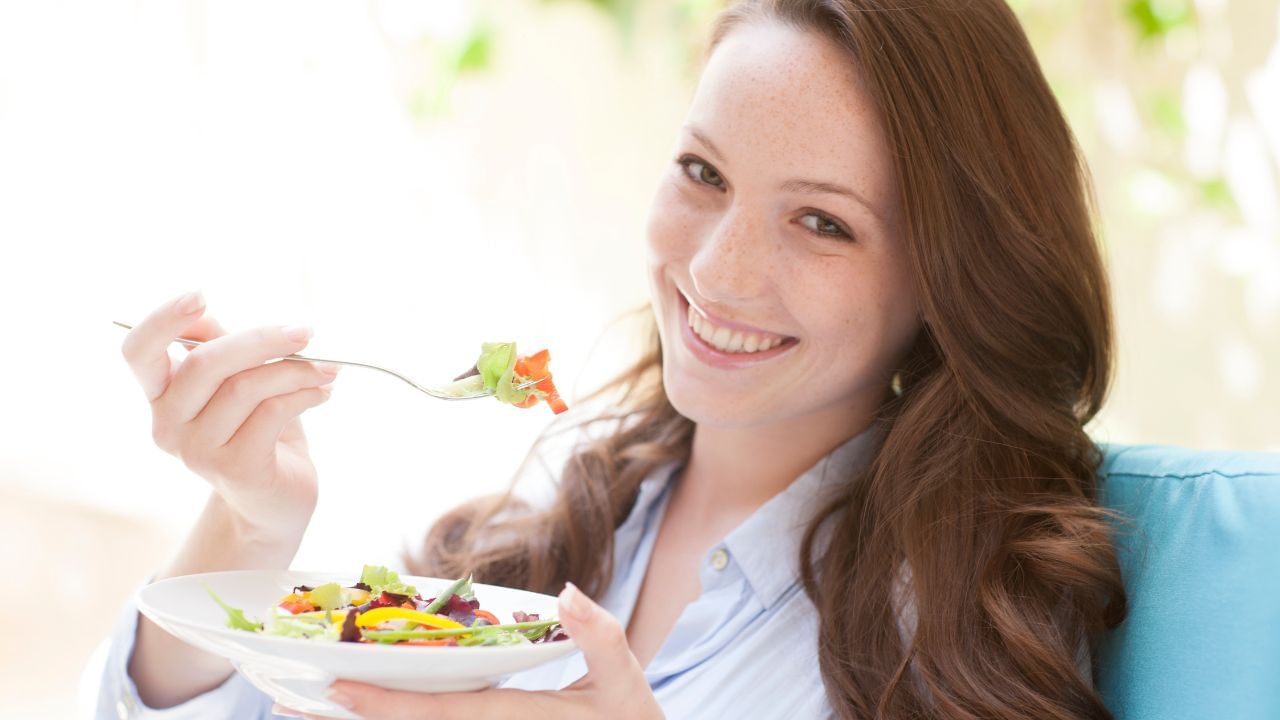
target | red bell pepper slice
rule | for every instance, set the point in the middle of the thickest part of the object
(535, 366)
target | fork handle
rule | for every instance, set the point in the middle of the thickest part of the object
(429, 391)
(195, 343)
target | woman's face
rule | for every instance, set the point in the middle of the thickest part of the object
(776, 271)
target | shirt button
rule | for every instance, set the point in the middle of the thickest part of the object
(720, 559)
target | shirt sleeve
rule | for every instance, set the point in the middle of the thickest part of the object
(118, 695)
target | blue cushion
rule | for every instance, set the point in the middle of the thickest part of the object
(1201, 563)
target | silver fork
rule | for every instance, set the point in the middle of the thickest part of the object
(429, 391)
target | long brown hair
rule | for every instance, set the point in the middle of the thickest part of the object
(983, 488)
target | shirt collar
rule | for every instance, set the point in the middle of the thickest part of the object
(651, 490)
(766, 546)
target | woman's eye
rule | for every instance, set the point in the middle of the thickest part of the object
(824, 226)
(701, 172)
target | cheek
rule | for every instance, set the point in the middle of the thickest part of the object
(671, 231)
(888, 309)
(869, 315)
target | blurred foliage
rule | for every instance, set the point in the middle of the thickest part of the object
(1153, 24)
(1158, 92)
(450, 60)
(1154, 19)
(1215, 193)
(1166, 112)
(622, 12)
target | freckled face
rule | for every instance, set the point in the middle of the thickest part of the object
(780, 285)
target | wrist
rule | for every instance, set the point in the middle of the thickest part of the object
(224, 540)
(266, 542)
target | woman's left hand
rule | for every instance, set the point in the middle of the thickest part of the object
(614, 686)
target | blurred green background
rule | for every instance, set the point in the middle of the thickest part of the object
(1176, 104)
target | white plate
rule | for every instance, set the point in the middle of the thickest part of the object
(296, 672)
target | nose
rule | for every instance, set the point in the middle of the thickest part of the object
(733, 262)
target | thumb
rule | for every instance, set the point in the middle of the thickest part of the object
(599, 634)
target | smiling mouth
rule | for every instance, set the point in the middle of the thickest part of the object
(726, 337)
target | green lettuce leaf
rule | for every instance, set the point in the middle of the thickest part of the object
(497, 366)
(496, 359)
(381, 579)
(472, 385)
(235, 616)
(327, 596)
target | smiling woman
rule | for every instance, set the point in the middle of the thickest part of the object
(862, 191)
(881, 321)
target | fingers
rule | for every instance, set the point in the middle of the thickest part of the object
(374, 703)
(206, 367)
(242, 393)
(257, 436)
(205, 328)
(601, 637)
(146, 346)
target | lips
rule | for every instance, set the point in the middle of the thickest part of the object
(727, 344)
(733, 325)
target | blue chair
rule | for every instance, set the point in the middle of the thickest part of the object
(1201, 562)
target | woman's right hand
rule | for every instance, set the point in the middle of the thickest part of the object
(231, 416)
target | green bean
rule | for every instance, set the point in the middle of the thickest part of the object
(443, 598)
(397, 635)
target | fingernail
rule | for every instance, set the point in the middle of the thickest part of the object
(297, 333)
(326, 390)
(278, 709)
(339, 698)
(575, 602)
(190, 302)
(329, 370)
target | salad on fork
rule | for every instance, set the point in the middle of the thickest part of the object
(519, 380)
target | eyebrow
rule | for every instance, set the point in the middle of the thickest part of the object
(811, 187)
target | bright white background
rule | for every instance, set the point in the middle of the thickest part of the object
(264, 154)
(315, 162)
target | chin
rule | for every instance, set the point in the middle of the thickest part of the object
(708, 406)
(699, 398)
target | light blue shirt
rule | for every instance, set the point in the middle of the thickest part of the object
(746, 647)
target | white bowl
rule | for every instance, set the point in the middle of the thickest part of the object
(296, 672)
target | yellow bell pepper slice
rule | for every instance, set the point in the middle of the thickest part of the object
(383, 614)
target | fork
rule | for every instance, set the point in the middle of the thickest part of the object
(429, 391)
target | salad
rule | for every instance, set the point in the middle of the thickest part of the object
(381, 609)
(501, 371)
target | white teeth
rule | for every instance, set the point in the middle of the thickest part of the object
(721, 338)
(727, 340)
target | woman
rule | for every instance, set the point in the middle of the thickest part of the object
(882, 321)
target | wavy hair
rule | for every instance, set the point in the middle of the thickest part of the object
(983, 486)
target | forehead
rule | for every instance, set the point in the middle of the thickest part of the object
(792, 100)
